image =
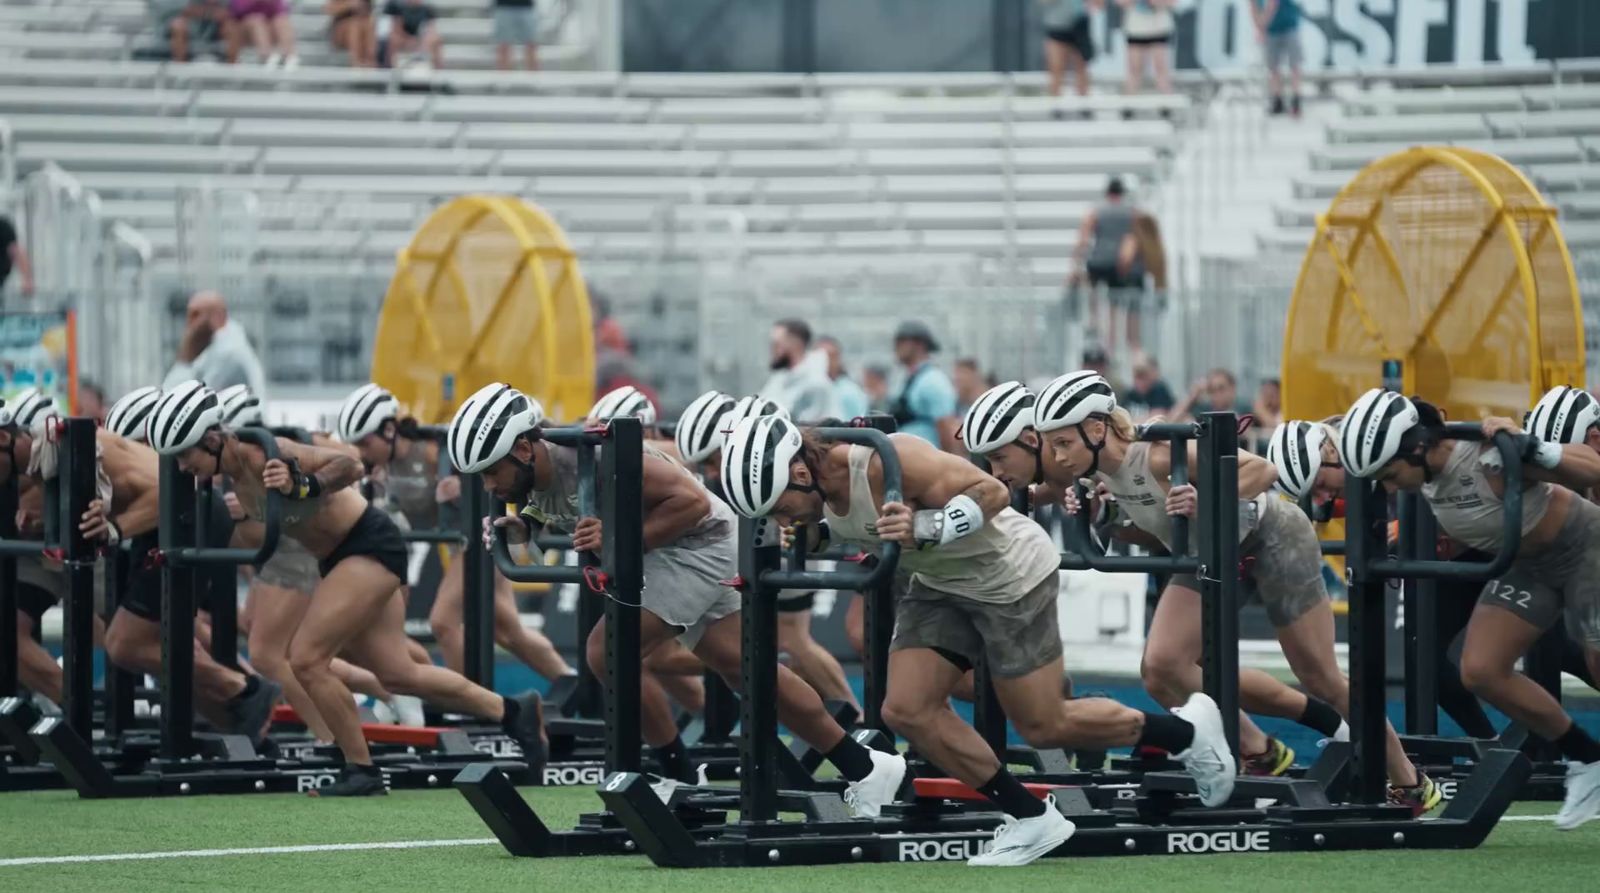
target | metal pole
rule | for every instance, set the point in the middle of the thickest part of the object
(1423, 648)
(9, 684)
(120, 683)
(1219, 552)
(621, 513)
(77, 660)
(177, 614)
(758, 776)
(214, 586)
(477, 584)
(1365, 520)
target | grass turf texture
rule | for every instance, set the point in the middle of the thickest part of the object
(1519, 855)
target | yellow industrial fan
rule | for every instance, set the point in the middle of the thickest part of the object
(488, 290)
(1443, 265)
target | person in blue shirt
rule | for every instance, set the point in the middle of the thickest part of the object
(925, 401)
(1278, 29)
(850, 399)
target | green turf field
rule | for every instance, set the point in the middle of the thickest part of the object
(1521, 855)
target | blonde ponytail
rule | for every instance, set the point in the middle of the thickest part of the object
(1121, 424)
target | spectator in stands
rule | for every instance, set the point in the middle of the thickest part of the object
(12, 256)
(1268, 410)
(266, 23)
(849, 397)
(91, 401)
(875, 381)
(516, 23)
(412, 29)
(214, 349)
(799, 381)
(350, 28)
(1278, 29)
(1068, 43)
(1149, 395)
(970, 383)
(1103, 256)
(1149, 27)
(925, 402)
(1218, 391)
(1096, 360)
(190, 23)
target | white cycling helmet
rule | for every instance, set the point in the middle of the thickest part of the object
(755, 462)
(486, 426)
(1295, 449)
(364, 412)
(1073, 398)
(700, 428)
(240, 408)
(749, 407)
(624, 402)
(1369, 436)
(130, 416)
(1563, 415)
(29, 406)
(182, 417)
(997, 418)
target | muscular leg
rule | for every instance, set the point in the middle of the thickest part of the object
(134, 643)
(1496, 640)
(529, 646)
(1055, 59)
(1044, 718)
(656, 721)
(35, 667)
(255, 27)
(680, 674)
(360, 680)
(276, 615)
(380, 647)
(1171, 670)
(1308, 644)
(855, 624)
(799, 706)
(446, 618)
(809, 660)
(917, 705)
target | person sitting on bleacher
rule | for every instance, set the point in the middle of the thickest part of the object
(412, 30)
(270, 31)
(187, 22)
(350, 28)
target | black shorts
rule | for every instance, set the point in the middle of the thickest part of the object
(375, 536)
(35, 600)
(140, 591)
(1111, 277)
(1075, 35)
(1154, 40)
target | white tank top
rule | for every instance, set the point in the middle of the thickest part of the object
(999, 564)
(1141, 497)
(1467, 509)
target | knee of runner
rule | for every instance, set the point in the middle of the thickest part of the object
(306, 664)
(906, 716)
(1480, 674)
(1159, 672)
(1042, 731)
(121, 647)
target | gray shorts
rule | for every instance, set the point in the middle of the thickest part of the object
(683, 585)
(1282, 562)
(1014, 638)
(515, 25)
(1281, 49)
(291, 566)
(1562, 579)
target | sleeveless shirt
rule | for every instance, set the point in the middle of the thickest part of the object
(1465, 504)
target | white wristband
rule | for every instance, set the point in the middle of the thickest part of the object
(1547, 455)
(962, 517)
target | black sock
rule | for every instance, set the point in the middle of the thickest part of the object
(509, 711)
(852, 759)
(1172, 734)
(1011, 796)
(674, 761)
(252, 684)
(1576, 744)
(1321, 716)
(362, 769)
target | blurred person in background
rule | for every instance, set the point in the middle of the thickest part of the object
(1103, 259)
(516, 23)
(1150, 395)
(1268, 410)
(271, 33)
(925, 400)
(1278, 30)
(350, 28)
(1096, 360)
(970, 383)
(214, 349)
(13, 257)
(849, 397)
(186, 23)
(615, 371)
(875, 382)
(91, 401)
(799, 381)
(1149, 27)
(1218, 391)
(1068, 43)
(412, 29)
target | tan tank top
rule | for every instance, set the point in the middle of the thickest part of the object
(999, 564)
(557, 505)
(1141, 497)
(1465, 504)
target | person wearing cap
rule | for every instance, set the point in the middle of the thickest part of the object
(925, 400)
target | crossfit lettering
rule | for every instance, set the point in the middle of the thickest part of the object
(559, 776)
(942, 850)
(305, 783)
(1219, 842)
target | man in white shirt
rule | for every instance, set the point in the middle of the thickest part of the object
(214, 350)
(799, 382)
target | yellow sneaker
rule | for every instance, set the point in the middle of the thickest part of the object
(1422, 797)
(1275, 760)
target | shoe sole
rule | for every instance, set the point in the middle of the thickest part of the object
(1031, 854)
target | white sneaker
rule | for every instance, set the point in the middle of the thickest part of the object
(866, 798)
(291, 62)
(273, 60)
(1020, 841)
(1583, 795)
(408, 711)
(1208, 759)
(1343, 734)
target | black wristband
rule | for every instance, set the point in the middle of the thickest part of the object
(310, 486)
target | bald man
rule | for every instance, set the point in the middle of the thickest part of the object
(215, 350)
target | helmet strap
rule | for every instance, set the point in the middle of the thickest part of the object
(814, 487)
(1094, 449)
(1419, 458)
(1038, 459)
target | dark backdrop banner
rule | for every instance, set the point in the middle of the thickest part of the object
(1004, 35)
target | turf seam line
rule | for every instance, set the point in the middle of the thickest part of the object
(248, 851)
